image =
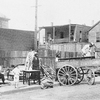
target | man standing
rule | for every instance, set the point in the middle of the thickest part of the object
(35, 66)
(35, 62)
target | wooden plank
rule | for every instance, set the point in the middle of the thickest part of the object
(79, 62)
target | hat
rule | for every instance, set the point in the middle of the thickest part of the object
(35, 53)
(91, 44)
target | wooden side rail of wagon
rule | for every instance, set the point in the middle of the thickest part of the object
(75, 58)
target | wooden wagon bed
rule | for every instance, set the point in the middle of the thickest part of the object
(72, 70)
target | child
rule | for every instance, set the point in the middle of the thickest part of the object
(16, 72)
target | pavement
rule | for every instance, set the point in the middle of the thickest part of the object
(9, 87)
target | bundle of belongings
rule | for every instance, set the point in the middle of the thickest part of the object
(47, 80)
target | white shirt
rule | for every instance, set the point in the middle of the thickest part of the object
(56, 59)
(86, 50)
(29, 59)
(16, 71)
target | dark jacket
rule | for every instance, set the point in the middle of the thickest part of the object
(35, 63)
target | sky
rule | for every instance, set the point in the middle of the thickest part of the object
(59, 12)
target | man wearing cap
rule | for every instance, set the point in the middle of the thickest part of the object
(88, 50)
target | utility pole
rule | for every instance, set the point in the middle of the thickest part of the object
(69, 29)
(53, 32)
(35, 34)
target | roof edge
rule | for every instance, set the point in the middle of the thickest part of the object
(94, 25)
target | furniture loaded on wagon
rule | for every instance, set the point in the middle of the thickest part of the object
(72, 70)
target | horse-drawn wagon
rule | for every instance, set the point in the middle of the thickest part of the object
(72, 70)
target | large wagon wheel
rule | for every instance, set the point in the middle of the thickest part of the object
(80, 75)
(67, 75)
(90, 77)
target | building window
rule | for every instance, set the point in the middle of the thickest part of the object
(72, 32)
(48, 36)
(61, 34)
(55, 33)
(72, 35)
(48, 33)
(98, 37)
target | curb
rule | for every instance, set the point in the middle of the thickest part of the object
(29, 88)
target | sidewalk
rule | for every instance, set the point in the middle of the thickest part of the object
(9, 88)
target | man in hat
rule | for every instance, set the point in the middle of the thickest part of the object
(35, 62)
(88, 50)
(35, 66)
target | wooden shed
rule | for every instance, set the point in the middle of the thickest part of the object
(14, 45)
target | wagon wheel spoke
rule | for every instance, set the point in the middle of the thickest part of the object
(72, 71)
(72, 80)
(63, 79)
(68, 76)
(90, 77)
(62, 71)
(80, 75)
(61, 74)
(73, 77)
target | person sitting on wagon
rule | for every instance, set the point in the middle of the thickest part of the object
(88, 50)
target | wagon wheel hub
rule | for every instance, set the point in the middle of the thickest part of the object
(67, 75)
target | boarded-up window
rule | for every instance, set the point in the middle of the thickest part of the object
(98, 37)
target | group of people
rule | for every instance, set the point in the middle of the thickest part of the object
(33, 62)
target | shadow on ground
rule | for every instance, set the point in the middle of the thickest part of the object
(4, 84)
